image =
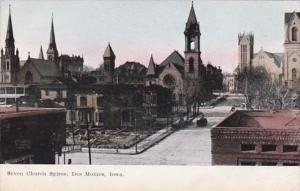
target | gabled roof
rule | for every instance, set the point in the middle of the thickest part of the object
(287, 16)
(108, 52)
(175, 58)
(278, 58)
(151, 67)
(46, 68)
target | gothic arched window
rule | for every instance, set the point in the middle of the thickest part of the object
(169, 80)
(28, 77)
(294, 74)
(191, 65)
(294, 34)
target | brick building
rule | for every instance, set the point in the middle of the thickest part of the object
(257, 138)
(26, 138)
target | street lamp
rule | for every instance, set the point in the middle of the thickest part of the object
(87, 121)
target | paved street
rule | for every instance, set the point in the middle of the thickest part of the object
(190, 146)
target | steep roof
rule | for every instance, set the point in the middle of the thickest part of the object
(108, 52)
(151, 67)
(45, 67)
(175, 58)
(192, 18)
(41, 55)
(287, 16)
(9, 33)
(278, 58)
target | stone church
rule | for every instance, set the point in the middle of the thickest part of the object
(176, 69)
(283, 67)
(35, 70)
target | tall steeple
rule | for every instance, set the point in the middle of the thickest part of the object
(192, 17)
(193, 64)
(41, 55)
(52, 53)
(9, 41)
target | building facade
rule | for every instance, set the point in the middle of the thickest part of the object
(26, 138)
(282, 67)
(257, 138)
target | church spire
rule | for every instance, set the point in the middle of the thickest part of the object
(151, 67)
(10, 41)
(41, 55)
(192, 17)
(52, 53)
(108, 53)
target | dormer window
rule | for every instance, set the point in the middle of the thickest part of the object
(294, 34)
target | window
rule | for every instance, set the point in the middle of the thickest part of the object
(248, 163)
(290, 164)
(247, 147)
(290, 148)
(7, 65)
(192, 45)
(294, 34)
(99, 99)
(191, 65)
(294, 74)
(20, 90)
(10, 90)
(268, 148)
(28, 77)
(47, 92)
(169, 80)
(83, 101)
(268, 163)
(2, 90)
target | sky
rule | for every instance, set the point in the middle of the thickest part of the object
(137, 29)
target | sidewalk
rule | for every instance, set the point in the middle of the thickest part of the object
(141, 146)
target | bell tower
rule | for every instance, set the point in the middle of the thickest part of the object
(193, 66)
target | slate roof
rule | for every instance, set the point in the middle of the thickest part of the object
(108, 52)
(46, 68)
(287, 16)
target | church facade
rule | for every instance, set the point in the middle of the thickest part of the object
(35, 70)
(283, 67)
(17, 75)
(177, 70)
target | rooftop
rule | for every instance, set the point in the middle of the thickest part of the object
(10, 112)
(262, 120)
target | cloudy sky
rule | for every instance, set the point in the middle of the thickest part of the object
(137, 29)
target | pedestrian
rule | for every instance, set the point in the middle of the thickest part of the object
(69, 161)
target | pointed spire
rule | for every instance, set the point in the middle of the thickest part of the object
(41, 55)
(52, 42)
(151, 67)
(192, 17)
(9, 34)
(109, 53)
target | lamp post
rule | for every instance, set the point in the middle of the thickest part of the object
(87, 121)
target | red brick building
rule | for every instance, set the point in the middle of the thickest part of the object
(31, 135)
(257, 138)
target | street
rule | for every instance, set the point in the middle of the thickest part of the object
(189, 146)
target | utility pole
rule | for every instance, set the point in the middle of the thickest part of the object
(136, 137)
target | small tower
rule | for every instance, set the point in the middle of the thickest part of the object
(109, 60)
(193, 64)
(246, 43)
(150, 75)
(10, 60)
(41, 54)
(52, 53)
